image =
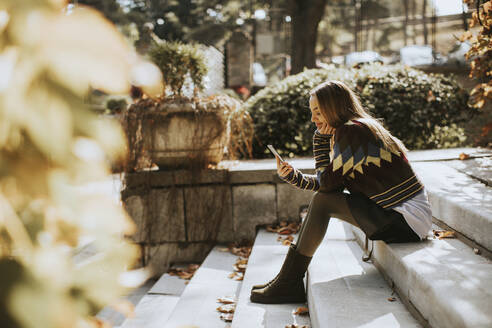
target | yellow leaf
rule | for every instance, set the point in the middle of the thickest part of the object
(227, 317)
(226, 300)
(487, 7)
(443, 234)
(465, 36)
(228, 308)
(301, 310)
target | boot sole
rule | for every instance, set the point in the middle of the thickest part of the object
(258, 298)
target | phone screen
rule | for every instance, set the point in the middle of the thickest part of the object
(274, 152)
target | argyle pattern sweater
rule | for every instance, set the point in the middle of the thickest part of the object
(355, 159)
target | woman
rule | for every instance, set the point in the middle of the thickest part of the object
(351, 150)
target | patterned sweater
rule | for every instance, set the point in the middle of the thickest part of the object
(354, 158)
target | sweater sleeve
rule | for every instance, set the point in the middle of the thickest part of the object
(321, 150)
(301, 180)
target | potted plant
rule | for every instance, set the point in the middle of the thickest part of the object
(181, 128)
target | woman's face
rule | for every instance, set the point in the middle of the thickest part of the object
(316, 116)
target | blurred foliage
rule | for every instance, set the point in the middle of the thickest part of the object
(177, 61)
(411, 103)
(480, 52)
(480, 55)
(51, 144)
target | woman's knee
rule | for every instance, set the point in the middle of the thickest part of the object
(326, 197)
(327, 201)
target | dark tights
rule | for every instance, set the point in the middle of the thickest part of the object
(323, 206)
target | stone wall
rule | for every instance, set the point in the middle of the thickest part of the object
(180, 217)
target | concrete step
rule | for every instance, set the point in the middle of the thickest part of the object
(156, 306)
(115, 318)
(458, 200)
(264, 263)
(198, 302)
(343, 291)
(443, 281)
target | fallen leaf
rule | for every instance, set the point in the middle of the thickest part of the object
(301, 310)
(244, 251)
(286, 231)
(232, 275)
(227, 317)
(240, 267)
(184, 273)
(464, 156)
(223, 249)
(391, 299)
(228, 308)
(443, 234)
(226, 300)
(284, 227)
(124, 307)
(287, 240)
(239, 276)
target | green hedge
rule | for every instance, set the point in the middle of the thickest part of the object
(411, 102)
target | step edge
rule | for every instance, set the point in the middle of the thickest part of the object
(391, 280)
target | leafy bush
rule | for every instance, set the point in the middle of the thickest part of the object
(411, 103)
(281, 113)
(444, 137)
(176, 61)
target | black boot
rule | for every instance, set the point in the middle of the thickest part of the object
(265, 285)
(288, 285)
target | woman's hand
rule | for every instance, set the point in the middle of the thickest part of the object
(326, 129)
(283, 168)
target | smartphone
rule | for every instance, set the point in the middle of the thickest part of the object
(274, 152)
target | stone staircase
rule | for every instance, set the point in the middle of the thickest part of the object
(437, 283)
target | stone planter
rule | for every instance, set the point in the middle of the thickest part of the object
(180, 133)
(185, 137)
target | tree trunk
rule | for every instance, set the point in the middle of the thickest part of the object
(357, 24)
(405, 5)
(374, 31)
(463, 16)
(306, 15)
(414, 26)
(424, 22)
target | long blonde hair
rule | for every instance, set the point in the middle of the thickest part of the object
(339, 104)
